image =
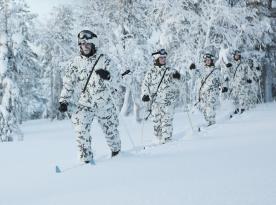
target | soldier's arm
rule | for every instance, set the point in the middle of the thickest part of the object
(115, 76)
(146, 84)
(68, 83)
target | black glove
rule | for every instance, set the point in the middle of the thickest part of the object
(104, 74)
(176, 75)
(145, 98)
(224, 90)
(249, 81)
(192, 66)
(228, 65)
(63, 106)
(226, 79)
(258, 68)
(125, 73)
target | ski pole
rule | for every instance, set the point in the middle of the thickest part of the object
(67, 115)
(124, 125)
(142, 134)
(190, 121)
(260, 90)
(188, 115)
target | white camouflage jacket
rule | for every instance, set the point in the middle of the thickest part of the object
(98, 91)
(208, 82)
(241, 72)
(168, 90)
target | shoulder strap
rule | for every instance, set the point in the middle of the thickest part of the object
(236, 70)
(205, 81)
(91, 73)
(207, 78)
(161, 81)
(155, 94)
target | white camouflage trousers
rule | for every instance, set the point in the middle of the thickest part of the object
(162, 117)
(108, 120)
(208, 105)
(241, 96)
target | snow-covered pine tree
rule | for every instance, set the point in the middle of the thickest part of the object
(9, 110)
(190, 28)
(130, 30)
(11, 102)
(124, 28)
(58, 44)
(136, 29)
(26, 60)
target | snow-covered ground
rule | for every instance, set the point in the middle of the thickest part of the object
(231, 163)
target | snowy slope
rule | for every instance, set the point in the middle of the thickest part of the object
(231, 163)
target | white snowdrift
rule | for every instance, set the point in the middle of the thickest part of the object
(231, 163)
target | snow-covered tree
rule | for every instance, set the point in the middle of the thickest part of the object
(130, 30)
(9, 110)
(26, 60)
(57, 43)
(11, 102)
(190, 28)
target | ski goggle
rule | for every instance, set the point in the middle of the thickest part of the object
(210, 56)
(237, 53)
(160, 52)
(85, 34)
(85, 41)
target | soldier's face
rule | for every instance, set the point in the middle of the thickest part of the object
(86, 48)
(162, 60)
(208, 61)
(237, 57)
(250, 63)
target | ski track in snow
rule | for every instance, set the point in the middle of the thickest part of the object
(230, 163)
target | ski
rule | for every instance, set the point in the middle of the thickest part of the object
(153, 145)
(59, 170)
(204, 127)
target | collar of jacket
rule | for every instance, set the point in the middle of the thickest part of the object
(210, 66)
(89, 57)
(160, 66)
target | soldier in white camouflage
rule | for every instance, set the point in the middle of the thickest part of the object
(208, 86)
(255, 94)
(90, 82)
(226, 74)
(159, 90)
(241, 79)
(194, 74)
